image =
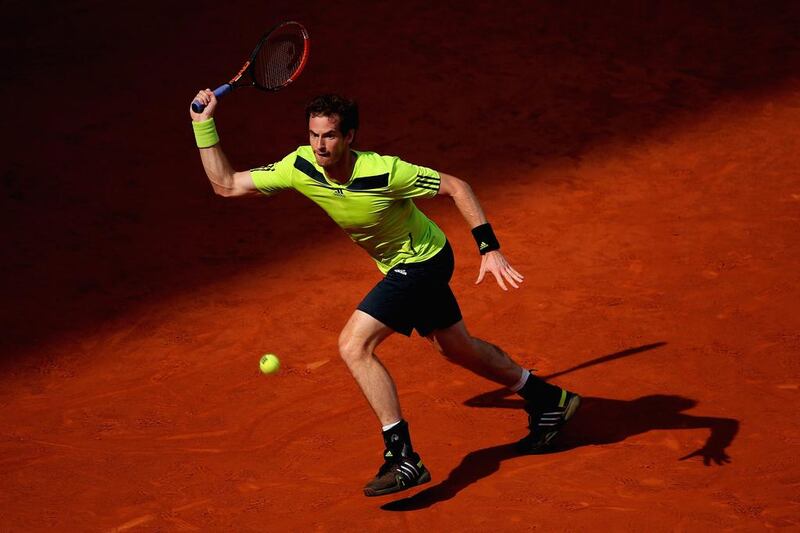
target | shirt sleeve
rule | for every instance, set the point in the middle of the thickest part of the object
(412, 181)
(274, 177)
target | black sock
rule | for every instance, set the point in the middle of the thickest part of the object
(397, 441)
(539, 392)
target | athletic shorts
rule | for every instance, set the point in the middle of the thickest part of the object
(416, 296)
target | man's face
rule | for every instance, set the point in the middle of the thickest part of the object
(327, 141)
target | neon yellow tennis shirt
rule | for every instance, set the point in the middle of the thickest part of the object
(375, 207)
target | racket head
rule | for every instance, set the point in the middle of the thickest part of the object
(279, 57)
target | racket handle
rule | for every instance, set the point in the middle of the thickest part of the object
(219, 92)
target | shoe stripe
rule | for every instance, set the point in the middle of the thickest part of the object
(411, 466)
(574, 403)
(545, 426)
(406, 471)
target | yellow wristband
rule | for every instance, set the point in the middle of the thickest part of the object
(205, 133)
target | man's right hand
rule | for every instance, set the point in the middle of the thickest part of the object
(207, 97)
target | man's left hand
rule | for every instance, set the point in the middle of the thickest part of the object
(495, 263)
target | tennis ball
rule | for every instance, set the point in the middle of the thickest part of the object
(269, 363)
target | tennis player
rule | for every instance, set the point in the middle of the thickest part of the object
(371, 197)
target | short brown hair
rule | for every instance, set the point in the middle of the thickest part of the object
(328, 105)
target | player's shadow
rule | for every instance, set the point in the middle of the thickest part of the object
(599, 421)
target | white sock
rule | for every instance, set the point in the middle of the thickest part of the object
(523, 378)
(390, 426)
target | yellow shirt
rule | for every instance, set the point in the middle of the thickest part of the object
(375, 207)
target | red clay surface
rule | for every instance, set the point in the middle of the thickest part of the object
(640, 166)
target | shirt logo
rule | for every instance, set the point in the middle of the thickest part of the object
(400, 271)
(338, 193)
(267, 168)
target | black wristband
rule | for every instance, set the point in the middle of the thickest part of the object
(485, 239)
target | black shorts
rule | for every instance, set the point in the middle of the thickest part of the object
(416, 296)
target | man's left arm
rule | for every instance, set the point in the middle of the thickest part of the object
(467, 203)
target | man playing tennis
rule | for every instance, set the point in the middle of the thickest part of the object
(371, 198)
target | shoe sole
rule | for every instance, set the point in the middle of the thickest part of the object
(424, 478)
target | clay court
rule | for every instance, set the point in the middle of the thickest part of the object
(639, 162)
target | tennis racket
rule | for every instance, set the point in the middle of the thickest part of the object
(277, 60)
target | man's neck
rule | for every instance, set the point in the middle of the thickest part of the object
(343, 170)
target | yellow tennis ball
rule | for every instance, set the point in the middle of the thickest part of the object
(269, 363)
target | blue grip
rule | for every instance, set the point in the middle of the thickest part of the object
(222, 90)
(219, 92)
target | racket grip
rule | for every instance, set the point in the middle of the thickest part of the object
(219, 92)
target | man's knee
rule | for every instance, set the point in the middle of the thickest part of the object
(359, 338)
(351, 350)
(452, 343)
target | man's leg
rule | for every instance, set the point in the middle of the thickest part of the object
(402, 468)
(548, 406)
(477, 355)
(357, 343)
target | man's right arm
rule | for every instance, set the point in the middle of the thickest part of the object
(224, 179)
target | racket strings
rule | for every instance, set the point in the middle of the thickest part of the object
(280, 58)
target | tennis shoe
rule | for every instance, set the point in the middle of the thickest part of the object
(545, 422)
(398, 474)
